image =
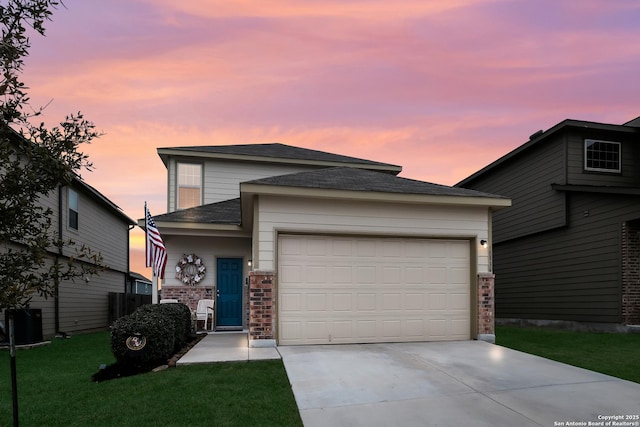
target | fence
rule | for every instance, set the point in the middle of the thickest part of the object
(121, 304)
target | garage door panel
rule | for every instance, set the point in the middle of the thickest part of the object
(290, 302)
(317, 302)
(414, 301)
(437, 275)
(415, 328)
(342, 302)
(342, 329)
(366, 302)
(346, 290)
(366, 330)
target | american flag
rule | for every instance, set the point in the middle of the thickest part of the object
(156, 252)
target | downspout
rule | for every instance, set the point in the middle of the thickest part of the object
(56, 278)
(127, 276)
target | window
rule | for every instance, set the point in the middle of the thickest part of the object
(601, 156)
(73, 209)
(189, 185)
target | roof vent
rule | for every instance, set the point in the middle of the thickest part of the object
(536, 134)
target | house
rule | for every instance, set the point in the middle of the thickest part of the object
(137, 284)
(300, 246)
(568, 250)
(86, 216)
(82, 214)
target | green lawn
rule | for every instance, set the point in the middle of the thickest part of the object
(55, 389)
(612, 354)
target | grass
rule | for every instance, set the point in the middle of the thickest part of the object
(55, 389)
(612, 354)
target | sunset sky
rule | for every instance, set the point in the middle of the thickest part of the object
(441, 87)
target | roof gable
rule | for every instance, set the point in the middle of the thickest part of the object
(541, 137)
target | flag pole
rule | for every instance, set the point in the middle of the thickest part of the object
(154, 277)
(154, 285)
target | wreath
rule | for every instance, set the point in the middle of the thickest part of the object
(190, 270)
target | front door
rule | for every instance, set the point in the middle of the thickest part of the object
(229, 293)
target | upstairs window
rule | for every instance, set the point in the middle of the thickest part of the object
(189, 185)
(73, 209)
(602, 156)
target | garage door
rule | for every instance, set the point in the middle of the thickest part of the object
(364, 290)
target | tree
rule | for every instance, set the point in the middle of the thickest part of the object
(34, 162)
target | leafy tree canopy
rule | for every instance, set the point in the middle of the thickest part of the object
(34, 162)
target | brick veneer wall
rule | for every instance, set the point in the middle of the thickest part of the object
(188, 295)
(631, 273)
(262, 308)
(486, 304)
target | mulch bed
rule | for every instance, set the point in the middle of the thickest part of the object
(118, 370)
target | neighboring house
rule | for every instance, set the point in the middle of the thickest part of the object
(569, 248)
(82, 214)
(306, 247)
(138, 284)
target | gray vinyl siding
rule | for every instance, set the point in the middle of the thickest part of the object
(222, 178)
(172, 182)
(573, 273)
(99, 229)
(630, 149)
(527, 181)
(84, 305)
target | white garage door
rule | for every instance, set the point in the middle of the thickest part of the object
(365, 290)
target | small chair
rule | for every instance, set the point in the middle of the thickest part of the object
(204, 310)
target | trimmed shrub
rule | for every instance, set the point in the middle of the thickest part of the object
(151, 335)
(179, 313)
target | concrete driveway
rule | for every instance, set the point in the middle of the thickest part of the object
(462, 383)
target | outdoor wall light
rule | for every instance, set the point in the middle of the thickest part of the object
(249, 263)
(484, 243)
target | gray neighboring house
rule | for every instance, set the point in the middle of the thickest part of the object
(82, 214)
(568, 250)
(301, 246)
(138, 284)
(86, 216)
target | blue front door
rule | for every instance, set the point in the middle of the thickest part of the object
(229, 293)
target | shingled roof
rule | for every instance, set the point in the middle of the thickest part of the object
(226, 212)
(351, 179)
(274, 151)
(339, 178)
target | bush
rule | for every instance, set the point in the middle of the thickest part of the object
(181, 316)
(151, 335)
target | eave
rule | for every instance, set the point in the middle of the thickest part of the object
(171, 228)
(249, 190)
(599, 189)
(165, 153)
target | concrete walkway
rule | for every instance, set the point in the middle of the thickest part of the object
(226, 347)
(462, 383)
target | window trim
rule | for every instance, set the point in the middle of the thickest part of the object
(592, 169)
(70, 209)
(200, 185)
